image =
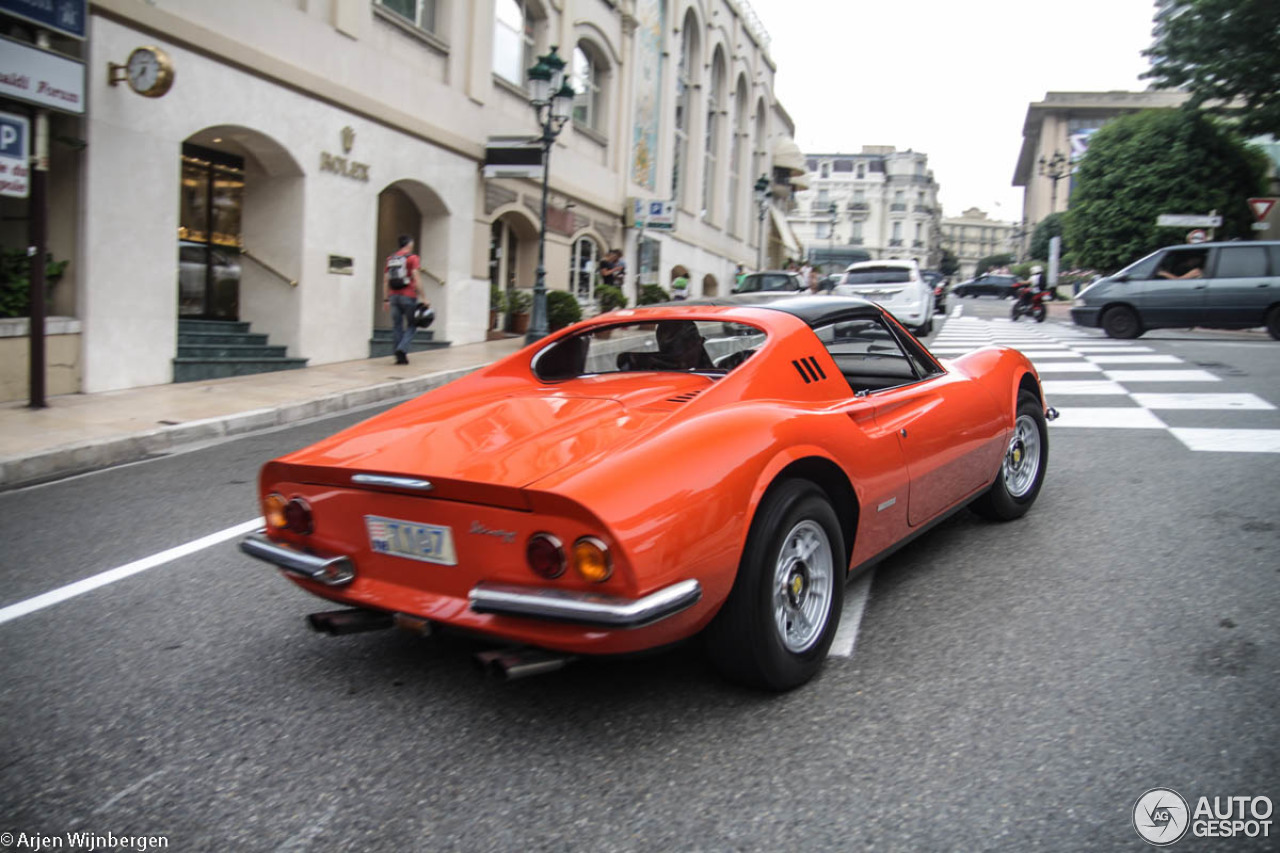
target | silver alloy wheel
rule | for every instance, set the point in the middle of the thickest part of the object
(1022, 460)
(802, 584)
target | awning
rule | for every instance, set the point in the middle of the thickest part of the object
(800, 182)
(786, 236)
(787, 155)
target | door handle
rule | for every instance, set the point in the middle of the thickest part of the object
(1265, 284)
(903, 431)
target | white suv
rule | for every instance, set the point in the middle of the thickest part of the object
(895, 285)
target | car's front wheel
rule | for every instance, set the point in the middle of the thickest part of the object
(1121, 322)
(1023, 468)
(775, 628)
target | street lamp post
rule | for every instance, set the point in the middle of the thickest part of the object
(1055, 169)
(831, 237)
(762, 195)
(552, 101)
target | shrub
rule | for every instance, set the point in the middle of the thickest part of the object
(497, 299)
(519, 302)
(610, 297)
(651, 294)
(15, 281)
(562, 309)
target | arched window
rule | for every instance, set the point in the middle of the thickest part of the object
(711, 149)
(735, 156)
(514, 39)
(586, 80)
(582, 268)
(684, 99)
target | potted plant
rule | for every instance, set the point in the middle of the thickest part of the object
(610, 298)
(497, 305)
(15, 278)
(562, 309)
(519, 304)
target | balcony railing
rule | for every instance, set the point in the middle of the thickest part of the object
(895, 242)
(923, 208)
(897, 206)
(859, 206)
(855, 241)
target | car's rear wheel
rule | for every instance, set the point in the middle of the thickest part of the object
(775, 628)
(925, 328)
(1023, 468)
(1273, 322)
(1121, 322)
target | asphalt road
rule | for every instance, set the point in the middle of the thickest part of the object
(1012, 687)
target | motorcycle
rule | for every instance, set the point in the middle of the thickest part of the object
(1030, 301)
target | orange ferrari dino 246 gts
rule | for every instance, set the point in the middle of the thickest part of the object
(653, 474)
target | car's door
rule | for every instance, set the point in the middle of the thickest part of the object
(946, 426)
(1165, 301)
(1241, 287)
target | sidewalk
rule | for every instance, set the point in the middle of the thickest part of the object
(84, 432)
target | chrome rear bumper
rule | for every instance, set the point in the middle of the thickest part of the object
(330, 571)
(584, 608)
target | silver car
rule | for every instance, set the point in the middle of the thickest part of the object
(1212, 285)
(896, 285)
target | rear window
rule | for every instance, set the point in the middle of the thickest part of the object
(883, 275)
(765, 281)
(689, 346)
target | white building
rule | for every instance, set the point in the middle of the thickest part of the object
(885, 203)
(298, 140)
(972, 236)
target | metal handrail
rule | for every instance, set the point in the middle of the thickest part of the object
(266, 266)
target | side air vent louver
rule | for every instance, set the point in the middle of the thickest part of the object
(683, 398)
(809, 369)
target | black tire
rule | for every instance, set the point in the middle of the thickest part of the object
(925, 329)
(1038, 313)
(1121, 322)
(745, 640)
(1273, 322)
(1015, 311)
(1016, 486)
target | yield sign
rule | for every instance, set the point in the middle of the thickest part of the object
(1261, 207)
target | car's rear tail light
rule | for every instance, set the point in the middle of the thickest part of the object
(545, 555)
(273, 510)
(591, 559)
(297, 516)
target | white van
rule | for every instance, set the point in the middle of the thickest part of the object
(897, 286)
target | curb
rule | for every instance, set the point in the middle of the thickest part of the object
(81, 458)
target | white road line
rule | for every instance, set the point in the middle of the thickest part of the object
(1229, 440)
(855, 602)
(1202, 401)
(48, 599)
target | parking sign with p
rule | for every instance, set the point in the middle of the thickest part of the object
(15, 133)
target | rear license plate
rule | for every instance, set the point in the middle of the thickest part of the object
(429, 543)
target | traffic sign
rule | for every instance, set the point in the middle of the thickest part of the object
(1188, 220)
(1199, 235)
(1261, 207)
(15, 141)
(1260, 226)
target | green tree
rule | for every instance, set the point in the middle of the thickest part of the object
(1158, 161)
(992, 262)
(1046, 229)
(948, 264)
(1222, 51)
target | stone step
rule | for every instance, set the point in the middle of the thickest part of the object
(223, 326)
(193, 339)
(216, 351)
(381, 344)
(200, 369)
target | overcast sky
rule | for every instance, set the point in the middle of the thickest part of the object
(951, 78)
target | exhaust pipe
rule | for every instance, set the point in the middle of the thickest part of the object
(522, 662)
(337, 622)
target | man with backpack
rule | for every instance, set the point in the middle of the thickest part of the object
(400, 294)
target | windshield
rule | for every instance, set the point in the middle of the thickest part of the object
(699, 346)
(757, 282)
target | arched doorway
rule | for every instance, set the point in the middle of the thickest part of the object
(413, 209)
(239, 236)
(513, 253)
(583, 262)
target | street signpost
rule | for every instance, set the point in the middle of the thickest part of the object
(1188, 220)
(1198, 235)
(1261, 207)
(15, 145)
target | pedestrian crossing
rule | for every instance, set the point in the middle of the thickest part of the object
(1099, 383)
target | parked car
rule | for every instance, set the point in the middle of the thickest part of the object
(646, 476)
(938, 282)
(991, 284)
(898, 285)
(1214, 285)
(770, 281)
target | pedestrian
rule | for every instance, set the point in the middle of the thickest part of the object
(739, 273)
(805, 269)
(400, 295)
(679, 282)
(613, 269)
